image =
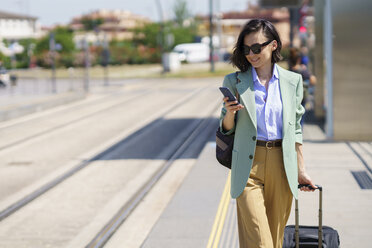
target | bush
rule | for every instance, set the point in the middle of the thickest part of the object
(285, 53)
(5, 61)
(67, 60)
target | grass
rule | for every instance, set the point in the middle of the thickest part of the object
(131, 71)
(196, 70)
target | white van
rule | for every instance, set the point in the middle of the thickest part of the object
(192, 52)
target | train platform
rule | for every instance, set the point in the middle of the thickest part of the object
(202, 213)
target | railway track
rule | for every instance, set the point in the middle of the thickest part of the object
(74, 121)
(17, 205)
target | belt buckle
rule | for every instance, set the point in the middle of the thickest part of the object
(269, 147)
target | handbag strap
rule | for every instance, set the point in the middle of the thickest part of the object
(237, 81)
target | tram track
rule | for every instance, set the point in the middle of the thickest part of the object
(69, 123)
(74, 121)
(19, 204)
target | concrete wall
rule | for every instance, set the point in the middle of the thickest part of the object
(319, 93)
(352, 70)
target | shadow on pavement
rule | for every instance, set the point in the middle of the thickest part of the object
(152, 140)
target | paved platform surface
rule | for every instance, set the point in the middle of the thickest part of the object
(202, 213)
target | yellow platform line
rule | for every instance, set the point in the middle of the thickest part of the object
(219, 220)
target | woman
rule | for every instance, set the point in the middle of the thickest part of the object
(267, 162)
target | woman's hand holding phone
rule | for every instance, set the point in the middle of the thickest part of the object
(232, 106)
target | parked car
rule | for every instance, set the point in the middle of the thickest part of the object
(192, 52)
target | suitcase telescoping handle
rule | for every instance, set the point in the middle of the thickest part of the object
(320, 227)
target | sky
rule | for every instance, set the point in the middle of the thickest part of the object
(52, 12)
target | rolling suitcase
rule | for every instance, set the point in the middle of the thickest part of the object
(320, 236)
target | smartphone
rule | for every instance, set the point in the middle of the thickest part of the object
(227, 93)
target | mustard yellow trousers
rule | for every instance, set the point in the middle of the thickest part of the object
(264, 206)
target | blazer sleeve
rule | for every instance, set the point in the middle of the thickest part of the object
(227, 83)
(300, 110)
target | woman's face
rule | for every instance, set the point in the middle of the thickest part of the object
(264, 58)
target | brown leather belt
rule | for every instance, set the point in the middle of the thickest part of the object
(269, 144)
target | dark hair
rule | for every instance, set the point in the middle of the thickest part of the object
(238, 58)
(294, 57)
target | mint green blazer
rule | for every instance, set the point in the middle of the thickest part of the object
(245, 127)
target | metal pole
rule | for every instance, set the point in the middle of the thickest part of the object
(320, 230)
(87, 65)
(219, 30)
(297, 231)
(71, 74)
(328, 45)
(211, 34)
(161, 14)
(52, 49)
(106, 59)
(30, 49)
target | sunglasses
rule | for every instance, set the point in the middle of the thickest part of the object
(256, 48)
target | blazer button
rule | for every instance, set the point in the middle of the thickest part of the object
(250, 156)
(254, 137)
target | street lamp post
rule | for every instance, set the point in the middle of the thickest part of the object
(211, 34)
(106, 57)
(52, 48)
(161, 40)
(30, 52)
(87, 65)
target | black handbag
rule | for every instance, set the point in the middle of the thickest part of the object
(224, 147)
(225, 144)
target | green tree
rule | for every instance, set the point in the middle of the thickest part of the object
(183, 34)
(148, 35)
(23, 59)
(5, 60)
(62, 36)
(151, 37)
(181, 12)
(90, 23)
(42, 45)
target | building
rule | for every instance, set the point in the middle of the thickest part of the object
(14, 27)
(228, 25)
(114, 24)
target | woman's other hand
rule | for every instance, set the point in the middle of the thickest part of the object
(304, 178)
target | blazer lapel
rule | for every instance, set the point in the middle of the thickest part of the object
(287, 92)
(247, 95)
